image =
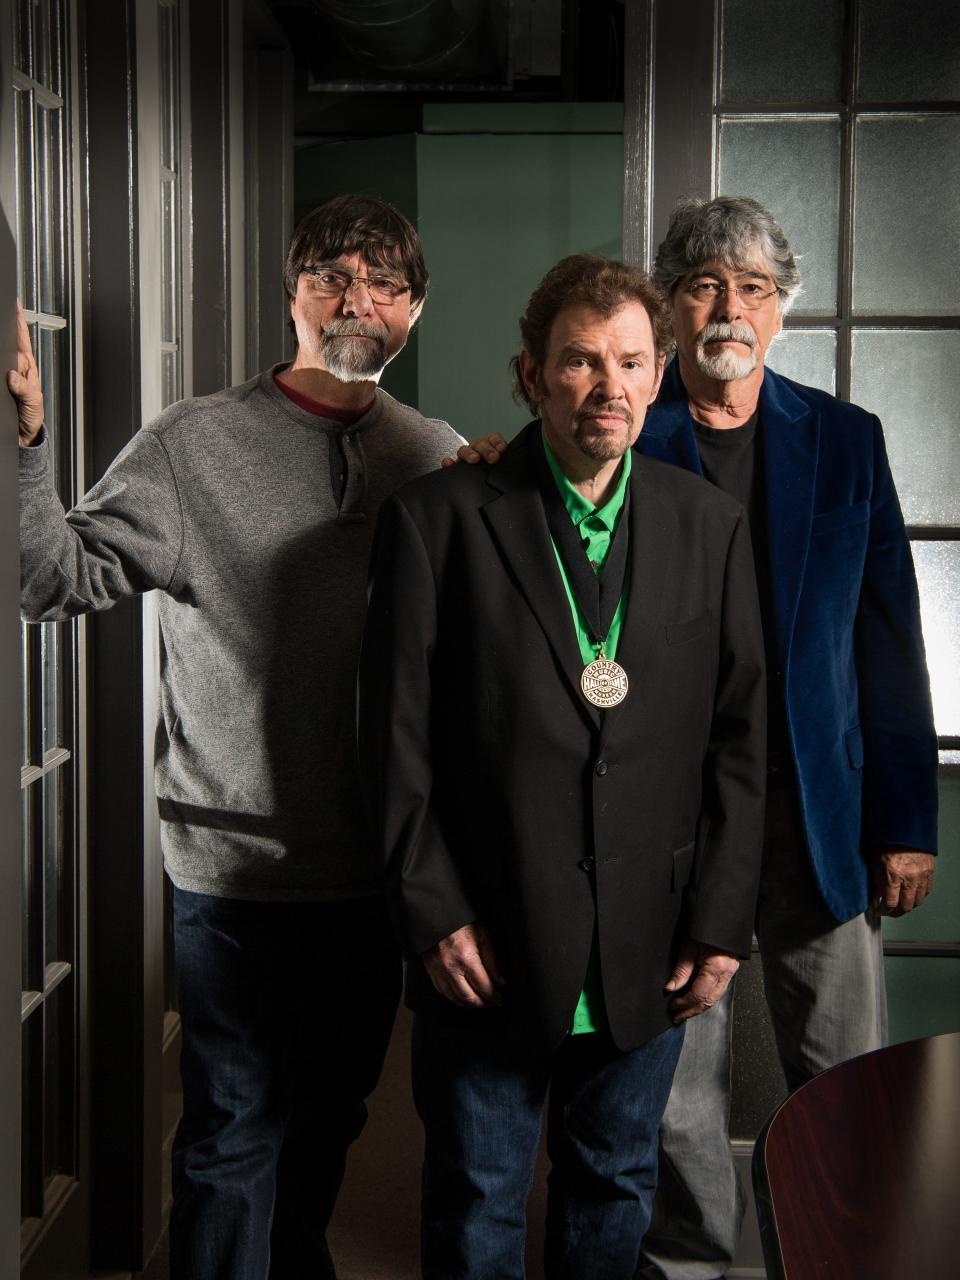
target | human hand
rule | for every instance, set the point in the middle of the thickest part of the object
(464, 969)
(902, 878)
(486, 449)
(700, 976)
(23, 384)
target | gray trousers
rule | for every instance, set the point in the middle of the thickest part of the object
(824, 989)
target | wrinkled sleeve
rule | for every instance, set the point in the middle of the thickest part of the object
(427, 896)
(124, 537)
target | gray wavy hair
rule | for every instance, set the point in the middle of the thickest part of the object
(726, 229)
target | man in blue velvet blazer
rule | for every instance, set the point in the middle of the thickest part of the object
(852, 779)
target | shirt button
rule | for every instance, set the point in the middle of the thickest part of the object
(348, 439)
(601, 768)
(586, 864)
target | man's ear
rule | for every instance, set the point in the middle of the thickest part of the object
(530, 376)
(415, 311)
(661, 365)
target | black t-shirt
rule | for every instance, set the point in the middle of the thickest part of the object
(732, 459)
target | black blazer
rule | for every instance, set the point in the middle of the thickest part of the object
(499, 794)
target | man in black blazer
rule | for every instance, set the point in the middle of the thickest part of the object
(573, 637)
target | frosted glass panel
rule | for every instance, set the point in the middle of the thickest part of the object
(912, 380)
(909, 55)
(938, 575)
(906, 247)
(793, 168)
(808, 356)
(785, 52)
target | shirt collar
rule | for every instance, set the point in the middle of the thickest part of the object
(578, 507)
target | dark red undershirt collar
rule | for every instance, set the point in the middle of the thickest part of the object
(319, 407)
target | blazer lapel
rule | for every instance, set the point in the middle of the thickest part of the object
(516, 519)
(791, 447)
(667, 433)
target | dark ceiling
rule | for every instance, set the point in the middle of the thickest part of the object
(359, 62)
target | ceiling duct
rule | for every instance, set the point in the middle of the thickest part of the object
(402, 36)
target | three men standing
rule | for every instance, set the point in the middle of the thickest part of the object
(561, 720)
(598, 699)
(252, 512)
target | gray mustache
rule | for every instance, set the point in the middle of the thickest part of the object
(352, 328)
(717, 331)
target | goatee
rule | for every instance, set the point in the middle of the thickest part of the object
(600, 445)
(723, 364)
(353, 350)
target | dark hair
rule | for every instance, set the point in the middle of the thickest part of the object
(585, 280)
(357, 224)
(727, 229)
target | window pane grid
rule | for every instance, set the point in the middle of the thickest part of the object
(50, 183)
(48, 650)
(32, 894)
(896, 294)
(26, 213)
(740, 79)
(48, 33)
(23, 41)
(31, 1150)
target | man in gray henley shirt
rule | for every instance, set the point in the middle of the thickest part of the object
(252, 512)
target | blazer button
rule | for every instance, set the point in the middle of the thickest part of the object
(601, 768)
(586, 864)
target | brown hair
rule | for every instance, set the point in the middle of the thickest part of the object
(585, 280)
(357, 224)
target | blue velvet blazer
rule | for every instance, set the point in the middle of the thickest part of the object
(847, 626)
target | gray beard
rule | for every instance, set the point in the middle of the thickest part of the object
(725, 365)
(348, 359)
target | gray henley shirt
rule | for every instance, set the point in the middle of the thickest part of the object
(254, 519)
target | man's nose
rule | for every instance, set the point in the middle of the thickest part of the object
(727, 306)
(608, 384)
(356, 299)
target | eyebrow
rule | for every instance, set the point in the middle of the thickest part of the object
(747, 274)
(575, 349)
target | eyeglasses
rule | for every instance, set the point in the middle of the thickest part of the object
(750, 293)
(334, 282)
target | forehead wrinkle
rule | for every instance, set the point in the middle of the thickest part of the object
(739, 269)
(368, 257)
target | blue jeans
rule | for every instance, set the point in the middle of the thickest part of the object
(481, 1104)
(286, 1011)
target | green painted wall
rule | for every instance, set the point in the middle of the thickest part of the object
(497, 209)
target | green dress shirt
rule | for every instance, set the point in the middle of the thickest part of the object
(596, 527)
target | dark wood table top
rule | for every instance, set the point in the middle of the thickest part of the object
(862, 1168)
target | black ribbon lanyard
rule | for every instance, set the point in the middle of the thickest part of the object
(597, 594)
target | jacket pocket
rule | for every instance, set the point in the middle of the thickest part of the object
(682, 866)
(681, 632)
(840, 518)
(853, 740)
